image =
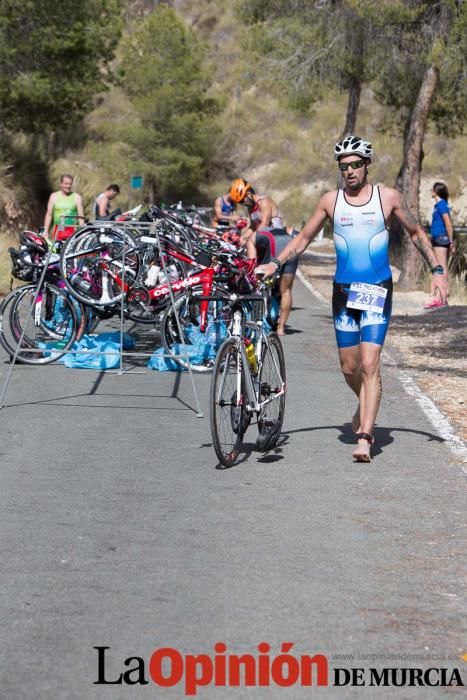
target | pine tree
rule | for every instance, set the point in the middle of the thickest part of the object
(53, 57)
(164, 76)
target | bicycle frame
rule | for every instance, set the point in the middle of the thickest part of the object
(105, 267)
(238, 324)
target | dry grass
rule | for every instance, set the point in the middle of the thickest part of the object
(7, 239)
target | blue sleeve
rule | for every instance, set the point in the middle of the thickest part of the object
(443, 207)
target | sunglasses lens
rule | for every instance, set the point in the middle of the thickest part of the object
(343, 167)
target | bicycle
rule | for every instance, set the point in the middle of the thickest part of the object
(248, 378)
(47, 320)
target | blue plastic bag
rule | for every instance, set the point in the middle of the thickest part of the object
(114, 337)
(90, 360)
(101, 343)
(160, 363)
(201, 347)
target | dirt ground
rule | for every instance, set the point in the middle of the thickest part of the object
(430, 345)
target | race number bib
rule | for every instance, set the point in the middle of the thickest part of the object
(366, 297)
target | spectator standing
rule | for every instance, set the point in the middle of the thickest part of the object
(441, 232)
(64, 210)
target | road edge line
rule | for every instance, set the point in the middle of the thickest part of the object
(310, 287)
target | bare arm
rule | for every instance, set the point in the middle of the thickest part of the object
(266, 216)
(80, 207)
(449, 230)
(266, 213)
(448, 224)
(49, 214)
(311, 229)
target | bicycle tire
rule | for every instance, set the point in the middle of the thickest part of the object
(229, 418)
(271, 378)
(5, 333)
(187, 309)
(53, 321)
(83, 257)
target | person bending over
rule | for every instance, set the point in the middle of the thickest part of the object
(102, 203)
(225, 211)
(266, 236)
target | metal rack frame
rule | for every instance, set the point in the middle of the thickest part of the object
(127, 227)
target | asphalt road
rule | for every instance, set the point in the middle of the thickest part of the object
(118, 529)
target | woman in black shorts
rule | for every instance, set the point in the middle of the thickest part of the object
(441, 235)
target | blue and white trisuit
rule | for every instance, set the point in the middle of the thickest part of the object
(361, 238)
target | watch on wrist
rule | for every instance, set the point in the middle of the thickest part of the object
(277, 262)
(437, 270)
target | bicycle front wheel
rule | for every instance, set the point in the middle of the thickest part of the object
(228, 403)
(271, 392)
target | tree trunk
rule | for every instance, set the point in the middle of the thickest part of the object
(353, 102)
(411, 167)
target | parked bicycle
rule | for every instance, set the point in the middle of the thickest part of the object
(248, 380)
(44, 321)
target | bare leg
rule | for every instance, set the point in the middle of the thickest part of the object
(351, 369)
(371, 392)
(442, 255)
(350, 360)
(286, 301)
(250, 249)
(356, 423)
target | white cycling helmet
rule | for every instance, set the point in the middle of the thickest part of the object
(353, 145)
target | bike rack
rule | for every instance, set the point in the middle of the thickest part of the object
(127, 227)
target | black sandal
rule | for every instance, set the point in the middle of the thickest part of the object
(365, 436)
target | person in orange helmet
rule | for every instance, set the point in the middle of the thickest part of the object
(265, 237)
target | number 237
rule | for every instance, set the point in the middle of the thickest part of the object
(369, 299)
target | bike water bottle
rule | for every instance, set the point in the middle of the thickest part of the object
(152, 276)
(173, 273)
(251, 355)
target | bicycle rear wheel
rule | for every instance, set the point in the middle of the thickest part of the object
(48, 329)
(271, 381)
(228, 413)
(8, 342)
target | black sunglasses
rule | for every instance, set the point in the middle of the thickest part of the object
(355, 165)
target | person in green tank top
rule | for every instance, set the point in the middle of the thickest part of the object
(64, 210)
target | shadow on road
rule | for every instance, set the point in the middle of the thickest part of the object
(66, 400)
(383, 436)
